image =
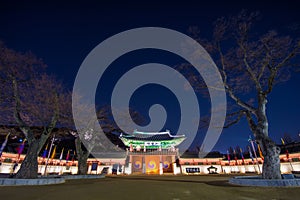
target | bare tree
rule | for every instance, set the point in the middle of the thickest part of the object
(87, 139)
(251, 65)
(86, 136)
(32, 98)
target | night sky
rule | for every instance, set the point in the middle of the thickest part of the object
(62, 34)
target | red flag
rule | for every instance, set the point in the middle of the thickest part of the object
(286, 150)
(235, 157)
(228, 156)
(287, 154)
(242, 156)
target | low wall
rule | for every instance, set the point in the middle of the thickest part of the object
(38, 181)
(45, 181)
(71, 177)
(258, 181)
(284, 168)
(7, 168)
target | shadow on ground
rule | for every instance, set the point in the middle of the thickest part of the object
(222, 183)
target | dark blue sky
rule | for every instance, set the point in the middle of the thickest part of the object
(62, 34)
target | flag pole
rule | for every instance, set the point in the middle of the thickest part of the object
(49, 153)
(251, 156)
(287, 154)
(252, 144)
(242, 156)
(60, 158)
(4, 144)
(20, 150)
(228, 158)
(235, 157)
(291, 164)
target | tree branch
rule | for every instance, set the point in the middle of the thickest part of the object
(248, 68)
(227, 87)
(17, 107)
(240, 113)
(48, 128)
(267, 63)
(271, 81)
(274, 70)
(251, 122)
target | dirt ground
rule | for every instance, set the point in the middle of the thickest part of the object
(148, 187)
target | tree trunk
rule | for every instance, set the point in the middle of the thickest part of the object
(271, 166)
(82, 163)
(82, 157)
(29, 167)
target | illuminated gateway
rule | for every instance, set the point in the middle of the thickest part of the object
(151, 152)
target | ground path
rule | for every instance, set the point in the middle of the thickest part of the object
(148, 187)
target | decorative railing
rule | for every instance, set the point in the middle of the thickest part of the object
(154, 152)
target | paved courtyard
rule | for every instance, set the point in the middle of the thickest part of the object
(148, 187)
